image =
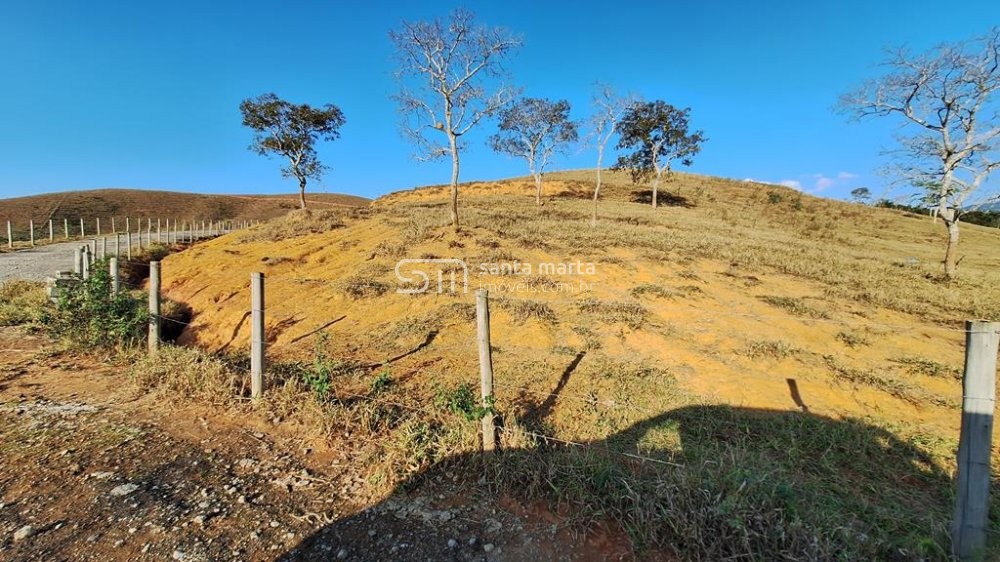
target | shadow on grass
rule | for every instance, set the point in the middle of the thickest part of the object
(663, 199)
(723, 483)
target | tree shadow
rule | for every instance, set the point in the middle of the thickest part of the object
(706, 482)
(535, 413)
(663, 198)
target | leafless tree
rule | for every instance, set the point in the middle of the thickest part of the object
(948, 98)
(608, 110)
(451, 78)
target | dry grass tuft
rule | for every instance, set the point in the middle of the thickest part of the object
(300, 222)
(21, 302)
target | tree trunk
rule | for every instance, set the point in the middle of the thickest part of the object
(597, 188)
(538, 188)
(453, 145)
(951, 252)
(302, 192)
(656, 188)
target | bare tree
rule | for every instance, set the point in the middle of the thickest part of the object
(535, 129)
(608, 110)
(445, 69)
(948, 98)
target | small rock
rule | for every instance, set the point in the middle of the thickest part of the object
(241, 499)
(341, 554)
(452, 543)
(199, 520)
(488, 547)
(472, 541)
(23, 533)
(124, 489)
(177, 555)
(145, 548)
(274, 524)
(254, 536)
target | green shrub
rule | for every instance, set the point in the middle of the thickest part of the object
(87, 314)
(461, 400)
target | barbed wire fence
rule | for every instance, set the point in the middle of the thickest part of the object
(982, 339)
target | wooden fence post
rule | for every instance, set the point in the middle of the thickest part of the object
(31, 227)
(128, 225)
(972, 503)
(128, 245)
(159, 232)
(98, 226)
(78, 261)
(154, 307)
(149, 232)
(113, 266)
(10, 236)
(66, 227)
(93, 250)
(257, 335)
(113, 229)
(104, 247)
(82, 233)
(52, 236)
(485, 368)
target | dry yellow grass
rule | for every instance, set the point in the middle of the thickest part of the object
(683, 290)
(694, 333)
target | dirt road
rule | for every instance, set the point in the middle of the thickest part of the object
(37, 263)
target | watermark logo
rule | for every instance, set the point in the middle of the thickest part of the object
(418, 276)
(415, 275)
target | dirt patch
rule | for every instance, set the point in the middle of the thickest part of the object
(115, 476)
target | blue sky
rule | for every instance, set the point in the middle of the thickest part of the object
(141, 94)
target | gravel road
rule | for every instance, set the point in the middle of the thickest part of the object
(37, 263)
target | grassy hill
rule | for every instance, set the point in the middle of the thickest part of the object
(791, 364)
(120, 203)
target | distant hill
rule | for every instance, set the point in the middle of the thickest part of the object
(121, 203)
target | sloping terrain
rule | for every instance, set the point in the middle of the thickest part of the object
(731, 293)
(743, 328)
(120, 203)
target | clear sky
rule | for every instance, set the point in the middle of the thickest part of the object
(145, 94)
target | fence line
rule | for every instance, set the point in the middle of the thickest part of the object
(982, 343)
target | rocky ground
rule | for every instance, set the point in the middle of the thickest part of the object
(91, 471)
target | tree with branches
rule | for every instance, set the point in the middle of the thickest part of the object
(861, 195)
(451, 78)
(608, 110)
(535, 129)
(657, 134)
(291, 131)
(947, 100)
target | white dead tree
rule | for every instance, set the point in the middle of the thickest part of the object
(445, 71)
(608, 110)
(948, 98)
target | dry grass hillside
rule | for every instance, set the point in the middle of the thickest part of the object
(702, 324)
(120, 203)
